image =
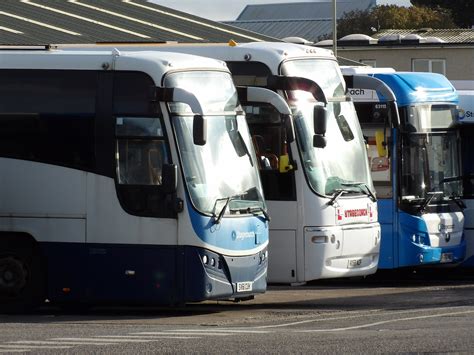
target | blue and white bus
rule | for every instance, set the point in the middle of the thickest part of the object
(415, 163)
(465, 91)
(126, 177)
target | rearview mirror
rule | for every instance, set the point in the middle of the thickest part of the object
(319, 141)
(199, 130)
(320, 117)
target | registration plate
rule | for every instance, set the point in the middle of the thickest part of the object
(446, 257)
(353, 263)
(244, 286)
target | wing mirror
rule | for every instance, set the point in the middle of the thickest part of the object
(199, 130)
(320, 118)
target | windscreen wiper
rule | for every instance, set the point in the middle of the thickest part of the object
(368, 191)
(428, 199)
(218, 217)
(260, 209)
(337, 193)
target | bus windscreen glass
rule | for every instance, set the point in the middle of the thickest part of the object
(340, 165)
(224, 170)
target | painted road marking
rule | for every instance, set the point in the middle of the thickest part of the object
(169, 336)
(368, 325)
(22, 346)
(116, 339)
(48, 342)
(225, 330)
(198, 332)
(351, 315)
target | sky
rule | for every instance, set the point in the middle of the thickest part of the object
(228, 10)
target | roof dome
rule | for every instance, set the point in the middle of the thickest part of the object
(356, 37)
(395, 37)
(297, 40)
(433, 40)
(412, 37)
(326, 42)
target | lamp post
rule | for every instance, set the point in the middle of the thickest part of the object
(334, 28)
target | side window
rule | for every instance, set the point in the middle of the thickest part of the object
(273, 151)
(373, 118)
(141, 150)
(48, 116)
(141, 147)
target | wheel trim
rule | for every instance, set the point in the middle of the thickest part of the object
(13, 276)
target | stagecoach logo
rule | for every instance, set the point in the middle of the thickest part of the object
(361, 212)
(242, 235)
(444, 231)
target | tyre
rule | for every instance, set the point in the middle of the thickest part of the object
(21, 281)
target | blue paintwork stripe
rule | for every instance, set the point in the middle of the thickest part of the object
(232, 233)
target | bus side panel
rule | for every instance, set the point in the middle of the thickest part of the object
(101, 273)
(282, 256)
(469, 232)
(32, 189)
(107, 222)
(389, 242)
(283, 245)
(133, 273)
(66, 267)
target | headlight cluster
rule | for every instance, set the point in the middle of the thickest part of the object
(263, 256)
(211, 261)
(419, 238)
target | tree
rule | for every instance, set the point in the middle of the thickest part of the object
(462, 10)
(392, 16)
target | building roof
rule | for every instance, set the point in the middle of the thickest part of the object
(456, 35)
(32, 22)
(321, 9)
(309, 20)
(311, 30)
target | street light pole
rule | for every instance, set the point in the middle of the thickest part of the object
(334, 28)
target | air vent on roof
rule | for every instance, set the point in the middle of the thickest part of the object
(433, 40)
(356, 39)
(423, 30)
(297, 40)
(391, 39)
(326, 42)
(412, 38)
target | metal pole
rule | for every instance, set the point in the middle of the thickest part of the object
(334, 28)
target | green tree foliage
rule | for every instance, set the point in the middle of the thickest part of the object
(392, 16)
(462, 10)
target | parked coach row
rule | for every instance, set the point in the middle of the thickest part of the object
(149, 173)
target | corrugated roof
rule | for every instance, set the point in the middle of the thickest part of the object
(456, 35)
(302, 10)
(30, 22)
(311, 30)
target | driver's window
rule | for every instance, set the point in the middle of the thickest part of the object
(141, 150)
(273, 153)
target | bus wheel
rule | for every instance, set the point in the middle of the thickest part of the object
(13, 276)
(20, 283)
